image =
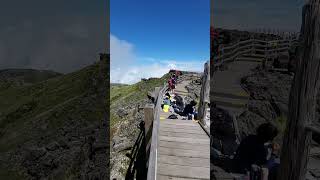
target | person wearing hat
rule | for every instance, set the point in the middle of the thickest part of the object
(166, 104)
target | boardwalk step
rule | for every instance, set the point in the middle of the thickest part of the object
(241, 95)
(181, 134)
(189, 153)
(184, 171)
(235, 101)
(184, 140)
(190, 146)
(194, 162)
(163, 177)
(230, 104)
(193, 131)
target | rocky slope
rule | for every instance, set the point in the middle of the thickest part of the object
(126, 114)
(269, 93)
(56, 128)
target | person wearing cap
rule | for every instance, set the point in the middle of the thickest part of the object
(166, 104)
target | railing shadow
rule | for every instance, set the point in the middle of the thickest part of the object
(137, 168)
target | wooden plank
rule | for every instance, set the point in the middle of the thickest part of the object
(190, 161)
(173, 122)
(190, 146)
(178, 122)
(164, 177)
(185, 140)
(184, 171)
(184, 152)
(174, 126)
(171, 129)
(182, 134)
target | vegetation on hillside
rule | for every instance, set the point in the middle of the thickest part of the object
(129, 95)
(50, 110)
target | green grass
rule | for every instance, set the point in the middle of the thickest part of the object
(123, 95)
(20, 105)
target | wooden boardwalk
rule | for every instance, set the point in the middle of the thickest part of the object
(183, 148)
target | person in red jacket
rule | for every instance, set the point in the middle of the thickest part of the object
(170, 85)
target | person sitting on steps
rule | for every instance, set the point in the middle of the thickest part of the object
(189, 110)
(252, 151)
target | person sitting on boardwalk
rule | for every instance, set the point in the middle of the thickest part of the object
(252, 150)
(170, 97)
(166, 104)
(189, 110)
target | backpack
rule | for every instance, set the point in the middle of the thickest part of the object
(173, 116)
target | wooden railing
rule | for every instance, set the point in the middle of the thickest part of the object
(252, 46)
(152, 122)
(204, 98)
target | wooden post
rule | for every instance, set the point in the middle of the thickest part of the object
(302, 101)
(148, 123)
(204, 94)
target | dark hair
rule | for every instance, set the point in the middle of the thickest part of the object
(267, 132)
(167, 94)
(193, 103)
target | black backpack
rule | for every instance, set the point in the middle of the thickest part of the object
(173, 116)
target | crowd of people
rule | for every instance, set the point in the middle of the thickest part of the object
(174, 103)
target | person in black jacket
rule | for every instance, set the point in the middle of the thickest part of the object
(189, 110)
(252, 149)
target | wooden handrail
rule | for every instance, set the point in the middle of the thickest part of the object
(153, 155)
(204, 98)
(251, 44)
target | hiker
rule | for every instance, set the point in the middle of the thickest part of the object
(252, 150)
(166, 104)
(174, 79)
(171, 98)
(189, 110)
(177, 74)
(170, 85)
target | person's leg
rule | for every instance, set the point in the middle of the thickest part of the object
(189, 116)
(195, 115)
(273, 166)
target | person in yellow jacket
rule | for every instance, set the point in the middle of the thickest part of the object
(166, 104)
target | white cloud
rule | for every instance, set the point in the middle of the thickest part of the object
(121, 52)
(125, 69)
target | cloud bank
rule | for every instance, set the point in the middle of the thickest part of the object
(58, 35)
(127, 69)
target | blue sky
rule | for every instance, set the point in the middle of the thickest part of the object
(148, 37)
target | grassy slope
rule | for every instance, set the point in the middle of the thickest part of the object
(54, 101)
(124, 95)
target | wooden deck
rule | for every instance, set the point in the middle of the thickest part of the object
(183, 148)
